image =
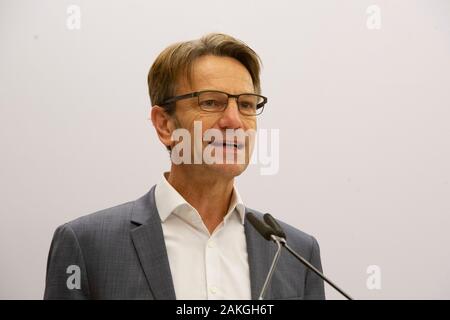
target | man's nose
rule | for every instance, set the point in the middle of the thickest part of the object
(231, 116)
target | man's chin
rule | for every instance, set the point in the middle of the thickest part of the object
(226, 169)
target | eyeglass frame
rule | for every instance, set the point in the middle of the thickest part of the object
(236, 96)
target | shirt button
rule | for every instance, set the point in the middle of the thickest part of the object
(213, 290)
(210, 244)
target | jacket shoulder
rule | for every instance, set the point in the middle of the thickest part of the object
(108, 219)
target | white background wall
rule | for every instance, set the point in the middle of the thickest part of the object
(363, 117)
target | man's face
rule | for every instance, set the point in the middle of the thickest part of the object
(228, 75)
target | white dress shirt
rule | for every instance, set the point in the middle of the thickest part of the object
(203, 265)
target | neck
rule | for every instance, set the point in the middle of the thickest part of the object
(209, 195)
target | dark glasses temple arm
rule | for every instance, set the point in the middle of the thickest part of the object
(184, 96)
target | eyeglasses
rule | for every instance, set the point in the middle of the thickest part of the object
(249, 104)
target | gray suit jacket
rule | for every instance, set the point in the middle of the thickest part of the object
(120, 253)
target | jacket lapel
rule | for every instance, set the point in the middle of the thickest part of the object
(260, 255)
(148, 240)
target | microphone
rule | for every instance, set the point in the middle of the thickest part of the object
(280, 233)
(262, 228)
(268, 234)
(274, 225)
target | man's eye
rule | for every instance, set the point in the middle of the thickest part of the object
(210, 103)
(246, 105)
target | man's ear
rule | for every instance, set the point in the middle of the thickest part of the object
(163, 124)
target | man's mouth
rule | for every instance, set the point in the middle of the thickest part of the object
(227, 144)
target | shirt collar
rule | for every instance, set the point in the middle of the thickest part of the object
(169, 200)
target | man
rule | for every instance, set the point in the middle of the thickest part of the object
(188, 237)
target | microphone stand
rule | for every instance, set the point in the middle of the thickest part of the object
(272, 231)
(279, 242)
(310, 266)
(276, 229)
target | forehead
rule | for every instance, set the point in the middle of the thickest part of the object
(218, 73)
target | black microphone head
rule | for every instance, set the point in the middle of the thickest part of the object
(279, 232)
(262, 228)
